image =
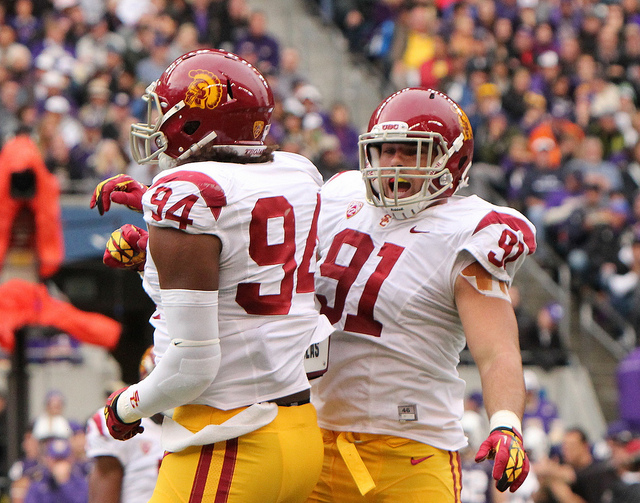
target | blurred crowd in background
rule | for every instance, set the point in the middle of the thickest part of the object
(551, 89)
(550, 86)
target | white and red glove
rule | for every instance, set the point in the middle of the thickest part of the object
(121, 189)
(511, 464)
(118, 428)
(126, 248)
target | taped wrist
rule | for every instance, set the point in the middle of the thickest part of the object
(505, 419)
(191, 361)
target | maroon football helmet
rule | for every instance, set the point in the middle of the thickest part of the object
(205, 97)
(442, 135)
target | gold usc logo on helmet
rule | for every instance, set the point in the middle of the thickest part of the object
(205, 90)
(258, 128)
(465, 125)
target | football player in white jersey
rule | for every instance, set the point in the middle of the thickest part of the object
(408, 274)
(230, 265)
(124, 472)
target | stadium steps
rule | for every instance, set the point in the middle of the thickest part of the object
(325, 60)
(599, 353)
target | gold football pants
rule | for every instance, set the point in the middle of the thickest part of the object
(278, 463)
(366, 468)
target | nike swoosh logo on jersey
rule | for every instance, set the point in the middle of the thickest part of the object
(415, 461)
(413, 230)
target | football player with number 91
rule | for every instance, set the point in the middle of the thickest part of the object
(229, 263)
(409, 272)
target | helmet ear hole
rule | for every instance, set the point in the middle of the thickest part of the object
(462, 161)
(229, 89)
(191, 127)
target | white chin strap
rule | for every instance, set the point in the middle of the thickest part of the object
(198, 146)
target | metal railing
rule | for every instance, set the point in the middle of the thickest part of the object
(619, 345)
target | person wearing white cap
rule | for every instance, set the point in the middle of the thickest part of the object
(69, 128)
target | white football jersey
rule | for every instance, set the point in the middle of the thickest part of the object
(140, 456)
(265, 215)
(387, 285)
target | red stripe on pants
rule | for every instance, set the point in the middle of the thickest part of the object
(228, 467)
(200, 480)
(456, 473)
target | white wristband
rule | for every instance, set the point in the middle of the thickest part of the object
(505, 419)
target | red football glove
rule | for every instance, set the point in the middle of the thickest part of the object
(126, 248)
(121, 189)
(118, 429)
(511, 465)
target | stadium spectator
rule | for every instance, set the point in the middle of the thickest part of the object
(514, 99)
(330, 159)
(77, 442)
(355, 18)
(61, 481)
(542, 187)
(546, 348)
(565, 137)
(415, 45)
(257, 46)
(211, 20)
(594, 231)
(52, 423)
(26, 469)
(578, 474)
(186, 40)
(289, 74)
(92, 50)
(338, 124)
(540, 411)
(622, 287)
(26, 25)
(151, 67)
(627, 488)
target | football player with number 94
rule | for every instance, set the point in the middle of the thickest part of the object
(229, 263)
(409, 273)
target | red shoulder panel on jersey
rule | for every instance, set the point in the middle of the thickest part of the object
(97, 419)
(511, 221)
(337, 175)
(210, 191)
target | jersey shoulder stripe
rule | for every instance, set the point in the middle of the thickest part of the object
(495, 217)
(212, 193)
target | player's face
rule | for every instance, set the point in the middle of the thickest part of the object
(398, 155)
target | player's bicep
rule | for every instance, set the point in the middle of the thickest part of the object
(185, 261)
(488, 321)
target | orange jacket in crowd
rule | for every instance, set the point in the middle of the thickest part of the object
(18, 157)
(24, 303)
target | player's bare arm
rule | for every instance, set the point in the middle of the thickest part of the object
(188, 272)
(186, 261)
(105, 480)
(492, 336)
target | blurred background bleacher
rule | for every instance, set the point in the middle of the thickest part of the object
(550, 86)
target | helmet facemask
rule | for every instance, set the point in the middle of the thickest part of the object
(430, 168)
(147, 141)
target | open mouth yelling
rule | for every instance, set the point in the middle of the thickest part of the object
(401, 186)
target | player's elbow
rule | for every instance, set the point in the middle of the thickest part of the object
(197, 367)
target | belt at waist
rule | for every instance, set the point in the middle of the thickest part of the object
(299, 398)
